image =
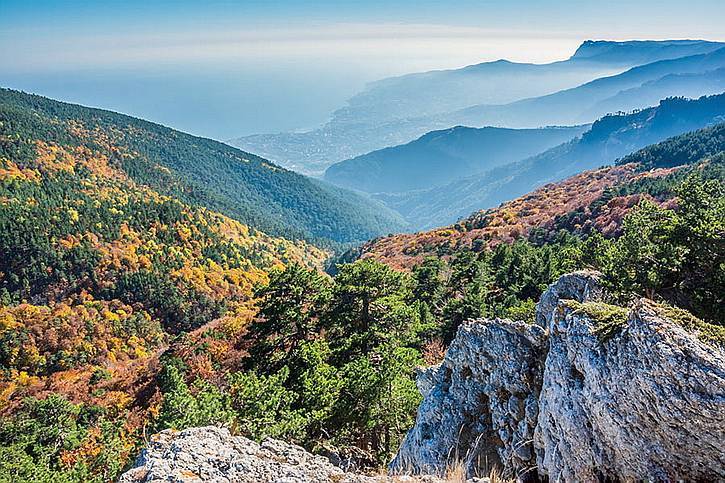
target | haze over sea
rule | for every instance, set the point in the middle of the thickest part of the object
(222, 69)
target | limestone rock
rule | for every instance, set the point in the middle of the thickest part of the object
(212, 454)
(558, 400)
(648, 404)
(582, 286)
(474, 406)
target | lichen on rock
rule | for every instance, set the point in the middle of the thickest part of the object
(648, 404)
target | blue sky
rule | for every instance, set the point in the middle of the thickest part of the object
(223, 69)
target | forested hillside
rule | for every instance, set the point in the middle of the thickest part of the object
(608, 138)
(593, 200)
(195, 170)
(126, 311)
(331, 362)
(97, 273)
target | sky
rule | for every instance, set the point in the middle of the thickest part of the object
(223, 69)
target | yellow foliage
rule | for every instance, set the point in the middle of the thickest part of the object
(7, 319)
(22, 379)
(6, 391)
(117, 400)
(73, 215)
(10, 170)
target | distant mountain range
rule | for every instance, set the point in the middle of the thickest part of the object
(397, 110)
(636, 88)
(197, 171)
(609, 138)
(440, 157)
(594, 200)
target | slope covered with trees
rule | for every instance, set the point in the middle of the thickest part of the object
(331, 362)
(195, 170)
(592, 200)
(98, 273)
(125, 311)
(610, 137)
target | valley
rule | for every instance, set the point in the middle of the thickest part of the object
(508, 271)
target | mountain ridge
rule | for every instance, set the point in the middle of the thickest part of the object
(609, 138)
(397, 110)
(441, 156)
(201, 171)
(577, 98)
(581, 202)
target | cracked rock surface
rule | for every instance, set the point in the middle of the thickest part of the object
(587, 393)
(647, 404)
(212, 454)
(556, 400)
(480, 403)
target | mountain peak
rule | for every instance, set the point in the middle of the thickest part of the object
(642, 50)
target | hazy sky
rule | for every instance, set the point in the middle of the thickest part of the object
(223, 69)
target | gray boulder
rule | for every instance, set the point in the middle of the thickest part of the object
(212, 454)
(647, 404)
(590, 392)
(479, 404)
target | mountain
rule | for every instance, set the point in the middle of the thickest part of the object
(100, 273)
(502, 81)
(641, 51)
(535, 327)
(197, 171)
(610, 137)
(126, 312)
(439, 157)
(599, 97)
(650, 93)
(591, 200)
(397, 110)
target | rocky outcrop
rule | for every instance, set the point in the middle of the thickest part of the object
(480, 404)
(647, 404)
(582, 286)
(212, 454)
(590, 392)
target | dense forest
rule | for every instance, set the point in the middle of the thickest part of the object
(126, 310)
(97, 275)
(195, 170)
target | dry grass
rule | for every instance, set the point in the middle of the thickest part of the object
(456, 473)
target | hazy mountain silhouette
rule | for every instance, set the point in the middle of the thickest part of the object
(608, 139)
(439, 157)
(397, 110)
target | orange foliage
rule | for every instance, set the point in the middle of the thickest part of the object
(66, 335)
(513, 219)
